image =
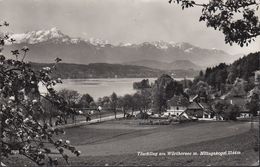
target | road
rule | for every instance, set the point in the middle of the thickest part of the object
(103, 119)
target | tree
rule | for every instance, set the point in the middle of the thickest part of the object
(238, 88)
(144, 84)
(104, 102)
(145, 99)
(137, 101)
(85, 101)
(114, 103)
(227, 110)
(72, 98)
(130, 103)
(253, 105)
(51, 111)
(92, 105)
(201, 89)
(126, 102)
(232, 112)
(20, 100)
(220, 107)
(186, 83)
(236, 19)
(243, 68)
(164, 88)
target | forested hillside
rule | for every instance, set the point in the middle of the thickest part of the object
(105, 70)
(100, 70)
(243, 68)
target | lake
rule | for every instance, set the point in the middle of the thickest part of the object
(102, 86)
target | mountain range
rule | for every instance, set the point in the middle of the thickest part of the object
(46, 45)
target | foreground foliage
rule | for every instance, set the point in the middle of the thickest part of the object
(22, 131)
(236, 19)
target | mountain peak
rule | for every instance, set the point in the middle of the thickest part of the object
(97, 42)
(38, 36)
(161, 44)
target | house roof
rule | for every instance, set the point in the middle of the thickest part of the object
(193, 98)
(194, 106)
(204, 105)
(255, 90)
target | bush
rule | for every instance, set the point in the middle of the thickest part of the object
(232, 112)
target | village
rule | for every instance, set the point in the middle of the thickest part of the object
(235, 104)
(199, 108)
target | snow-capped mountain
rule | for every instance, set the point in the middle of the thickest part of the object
(52, 35)
(97, 42)
(46, 45)
(162, 44)
(35, 37)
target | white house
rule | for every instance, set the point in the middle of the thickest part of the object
(177, 105)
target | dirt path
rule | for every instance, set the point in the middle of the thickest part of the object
(164, 137)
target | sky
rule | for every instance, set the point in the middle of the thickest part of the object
(128, 21)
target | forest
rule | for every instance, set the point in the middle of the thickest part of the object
(242, 68)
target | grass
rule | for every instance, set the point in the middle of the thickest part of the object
(244, 143)
(104, 131)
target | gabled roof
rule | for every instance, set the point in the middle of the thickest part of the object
(194, 106)
(255, 90)
(204, 105)
(193, 98)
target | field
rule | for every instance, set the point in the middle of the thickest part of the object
(117, 143)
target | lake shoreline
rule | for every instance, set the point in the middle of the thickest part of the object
(100, 87)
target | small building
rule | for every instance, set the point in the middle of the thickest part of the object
(195, 109)
(177, 105)
(200, 109)
(245, 114)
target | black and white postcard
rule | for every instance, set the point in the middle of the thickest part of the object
(129, 82)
